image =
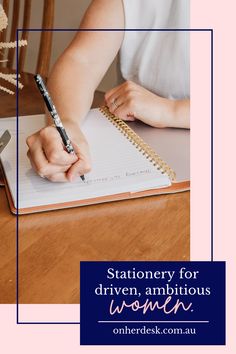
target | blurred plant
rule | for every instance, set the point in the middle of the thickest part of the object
(11, 78)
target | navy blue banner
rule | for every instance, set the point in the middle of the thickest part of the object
(152, 303)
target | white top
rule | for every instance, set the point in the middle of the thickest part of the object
(157, 60)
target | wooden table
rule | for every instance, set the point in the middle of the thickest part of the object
(52, 244)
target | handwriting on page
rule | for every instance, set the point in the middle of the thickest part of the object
(127, 174)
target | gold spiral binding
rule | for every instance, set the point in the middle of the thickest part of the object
(139, 143)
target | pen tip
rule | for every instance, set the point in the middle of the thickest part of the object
(83, 178)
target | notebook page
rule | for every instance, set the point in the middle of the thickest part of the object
(117, 166)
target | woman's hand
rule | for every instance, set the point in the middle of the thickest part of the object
(130, 101)
(49, 158)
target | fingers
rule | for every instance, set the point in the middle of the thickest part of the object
(123, 107)
(123, 89)
(50, 160)
(53, 147)
(50, 173)
(121, 101)
(41, 165)
(44, 169)
(124, 112)
(78, 169)
(114, 98)
(111, 92)
(58, 177)
(83, 164)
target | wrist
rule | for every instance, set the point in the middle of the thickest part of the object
(74, 131)
(181, 114)
(176, 113)
(169, 112)
(71, 125)
(166, 112)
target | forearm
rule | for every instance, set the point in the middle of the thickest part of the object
(167, 113)
(82, 66)
(71, 85)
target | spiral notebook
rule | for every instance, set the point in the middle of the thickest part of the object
(123, 167)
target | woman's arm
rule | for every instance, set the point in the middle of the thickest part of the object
(71, 84)
(82, 66)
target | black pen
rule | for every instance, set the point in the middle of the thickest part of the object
(53, 112)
